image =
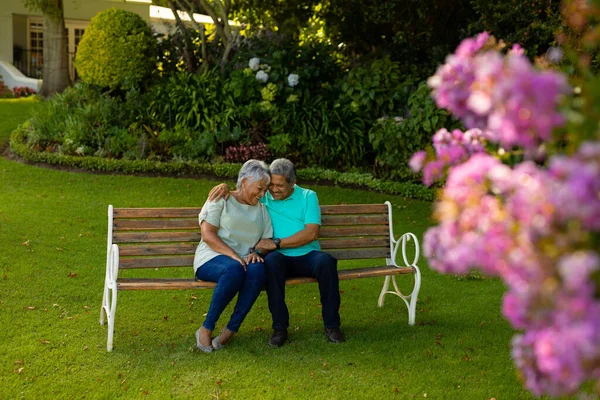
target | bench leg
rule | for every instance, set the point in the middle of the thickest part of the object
(109, 298)
(103, 315)
(107, 313)
(410, 300)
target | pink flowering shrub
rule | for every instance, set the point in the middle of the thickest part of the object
(504, 95)
(534, 223)
(22, 91)
(243, 153)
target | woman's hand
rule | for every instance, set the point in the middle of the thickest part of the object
(240, 260)
(253, 258)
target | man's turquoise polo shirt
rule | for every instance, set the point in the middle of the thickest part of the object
(290, 216)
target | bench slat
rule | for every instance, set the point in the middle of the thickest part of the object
(354, 219)
(325, 232)
(358, 254)
(183, 212)
(161, 284)
(190, 248)
(189, 212)
(354, 209)
(186, 261)
(359, 242)
(150, 237)
(155, 224)
(156, 262)
(152, 250)
(192, 223)
(366, 230)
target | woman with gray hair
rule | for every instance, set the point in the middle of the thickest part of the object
(230, 228)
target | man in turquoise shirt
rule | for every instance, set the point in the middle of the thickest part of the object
(295, 251)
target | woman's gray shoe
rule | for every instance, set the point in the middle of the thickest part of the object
(200, 346)
(216, 342)
(278, 338)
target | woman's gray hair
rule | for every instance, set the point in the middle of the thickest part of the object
(283, 166)
(253, 170)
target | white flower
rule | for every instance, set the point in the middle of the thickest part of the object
(262, 76)
(554, 54)
(254, 63)
(293, 80)
(80, 150)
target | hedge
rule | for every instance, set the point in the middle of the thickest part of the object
(18, 145)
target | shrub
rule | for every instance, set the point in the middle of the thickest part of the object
(243, 153)
(396, 139)
(22, 91)
(19, 140)
(530, 213)
(373, 89)
(84, 120)
(117, 48)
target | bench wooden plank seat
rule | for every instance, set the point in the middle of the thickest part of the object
(151, 239)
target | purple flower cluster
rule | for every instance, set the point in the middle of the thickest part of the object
(451, 148)
(503, 95)
(534, 228)
(243, 153)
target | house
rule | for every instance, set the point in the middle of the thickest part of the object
(22, 36)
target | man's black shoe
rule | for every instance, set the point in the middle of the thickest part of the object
(334, 335)
(278, 338)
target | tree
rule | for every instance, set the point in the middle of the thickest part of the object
(286, 17)
(219, 11)
(55, 72)
(411, 31)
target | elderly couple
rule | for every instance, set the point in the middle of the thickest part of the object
(260, 234)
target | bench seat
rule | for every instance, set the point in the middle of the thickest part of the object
(182, 283)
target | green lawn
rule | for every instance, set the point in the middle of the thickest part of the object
(53, 233)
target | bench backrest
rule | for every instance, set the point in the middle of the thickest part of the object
(168, 237)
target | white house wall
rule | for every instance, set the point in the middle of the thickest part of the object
(75, 10)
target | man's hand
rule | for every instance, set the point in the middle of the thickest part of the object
(253, 258)
(265, 245)
(218, 192)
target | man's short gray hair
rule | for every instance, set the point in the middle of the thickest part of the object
(283, 166)
(253, 170)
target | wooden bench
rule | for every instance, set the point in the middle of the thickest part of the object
(157, 238)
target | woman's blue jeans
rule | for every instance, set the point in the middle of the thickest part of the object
(231, 279)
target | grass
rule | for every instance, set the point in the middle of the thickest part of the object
(53, 234)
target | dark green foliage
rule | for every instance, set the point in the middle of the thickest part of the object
(319, 133)
(288, 16)
(19, 144)
(376, 88)
(363, 112)
(314, 61)
(395, 140)
(412, 32)
(117, 49)
(530, 23)
(84, 120)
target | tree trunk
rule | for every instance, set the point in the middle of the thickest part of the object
(56, 63)
(188, 47)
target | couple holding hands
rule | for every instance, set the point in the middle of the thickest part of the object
(257, 236)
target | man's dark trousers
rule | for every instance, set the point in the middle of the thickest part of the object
(316, 264)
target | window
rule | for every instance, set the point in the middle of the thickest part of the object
(36, 47)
